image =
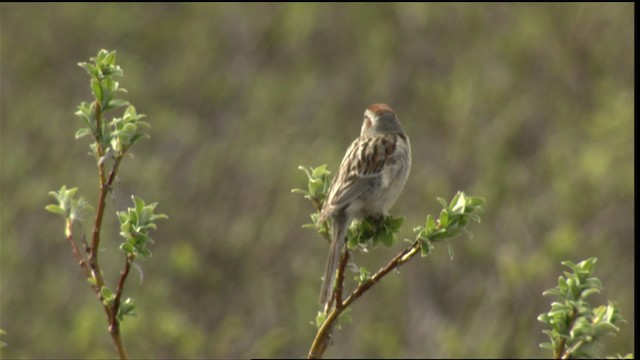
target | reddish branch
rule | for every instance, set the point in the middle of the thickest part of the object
(76, 252)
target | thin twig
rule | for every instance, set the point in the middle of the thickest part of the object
(404, 256)
(76, 252)
(123, 277)
(85, 245)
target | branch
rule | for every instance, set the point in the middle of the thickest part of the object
(95, 243)
(122, 352)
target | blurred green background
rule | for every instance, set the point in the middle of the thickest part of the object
(528, 105)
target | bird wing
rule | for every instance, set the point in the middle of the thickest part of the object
(361, 166)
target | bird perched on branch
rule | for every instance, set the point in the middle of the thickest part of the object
(370, 179)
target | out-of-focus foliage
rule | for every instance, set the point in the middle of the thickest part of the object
(527, 105)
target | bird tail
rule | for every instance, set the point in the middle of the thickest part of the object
(335, 249)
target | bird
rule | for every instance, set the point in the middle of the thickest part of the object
(371, 176)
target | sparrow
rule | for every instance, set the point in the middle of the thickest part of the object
(371, 176)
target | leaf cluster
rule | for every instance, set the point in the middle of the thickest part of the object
(135, 224)
(120, 133)
(70, 207)
(574, 324)
(453, 221)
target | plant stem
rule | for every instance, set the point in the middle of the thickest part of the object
(117, 339)
(96, 272)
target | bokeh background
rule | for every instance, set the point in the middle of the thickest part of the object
(528, 105)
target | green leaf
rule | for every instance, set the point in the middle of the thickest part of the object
(458, 203)
(320, 319)
(441, 234)
(594, 283)
(474, 217)
(130, 113)
(127, 248)
(299, 191)
(387, 238)
(142, 123)
(395, 222)
(431, 224)
(106, 293)
(425, 247)
(145, 252)
(313, 186)
(82, 132)
(127, 308)
(547, 345)
(444, 218)
(555, 292)
(139, 204)
(570, 264)
(474, 201)
(605, 328)
(363, 276)
(92, 70)
(589, 264)
(137, 137)
(115, 104)
(443, 202)
(96, 89)
(110, 59)
(99, 59)
(55, 209)
(319, 171)
(590, 291)
(155, 217)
